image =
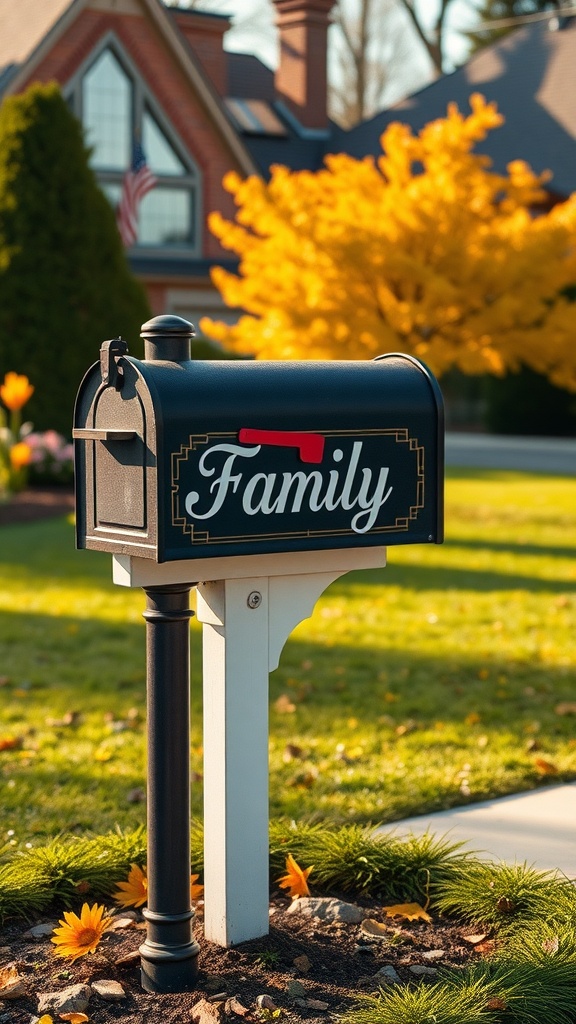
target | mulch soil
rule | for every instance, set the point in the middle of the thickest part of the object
(334, 963)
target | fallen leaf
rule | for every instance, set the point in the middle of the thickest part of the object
(566, 708)
(505, 906)
(551, 945)
(120, 923)
(283, 705)
(12, 984)
(472, 719)
(292, 753)
(196, 891)
(410, 911)
(303, 780)
(45, 1019)
(496, 1003)
(486, 947)
(545, 767)
(74, 1017)
(10, 742)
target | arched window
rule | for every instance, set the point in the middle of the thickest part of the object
(115, 109)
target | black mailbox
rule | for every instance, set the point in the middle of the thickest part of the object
(179, 459)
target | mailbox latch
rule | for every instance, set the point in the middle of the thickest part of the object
(110, 352)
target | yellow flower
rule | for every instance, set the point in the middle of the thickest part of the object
(195, 890)
(79, 935)
(133, 892)
(16, 390)
(295, 878)
(20, 455)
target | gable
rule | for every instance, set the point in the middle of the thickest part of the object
(56, 46)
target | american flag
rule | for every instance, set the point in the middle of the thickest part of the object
(138, 180)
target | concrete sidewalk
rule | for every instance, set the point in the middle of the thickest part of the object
(495, 451)
(537, 827)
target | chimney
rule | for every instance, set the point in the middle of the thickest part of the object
(204, 33)
(301, 78)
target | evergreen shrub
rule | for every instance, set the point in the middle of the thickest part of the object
(65, 283)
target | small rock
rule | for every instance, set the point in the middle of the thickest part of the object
(433, 954)
(40, 931)
(214, 983)
(295, 989)
(363, 948)
(109, 990)
(420, 969)
(235, 1007)
(74, 999)
(204, 1012)
(326, 909)
(313, 1004)
(388, 975)
(218, 997)
(302, 964)
(265, 1003)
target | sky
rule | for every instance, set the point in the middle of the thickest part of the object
(259, 38)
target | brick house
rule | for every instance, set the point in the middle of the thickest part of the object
(137, 69)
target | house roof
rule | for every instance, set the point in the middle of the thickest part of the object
(24, 25)
(531, 74)
(24, 40)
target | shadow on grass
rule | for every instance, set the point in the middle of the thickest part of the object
(405, 708)
(423, 578)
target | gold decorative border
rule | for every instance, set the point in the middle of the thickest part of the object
(402, 523)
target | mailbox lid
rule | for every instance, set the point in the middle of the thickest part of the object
(237, 473)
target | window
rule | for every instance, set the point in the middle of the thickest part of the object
(115, 109)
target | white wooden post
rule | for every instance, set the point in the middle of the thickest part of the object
(245, 626)
(248, 611)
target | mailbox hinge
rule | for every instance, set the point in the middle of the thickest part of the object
(110, 353)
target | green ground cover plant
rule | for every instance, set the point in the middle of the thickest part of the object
(524, 975)
(446, 678)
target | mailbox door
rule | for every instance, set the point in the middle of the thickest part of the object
(120, 465)
(116, 464)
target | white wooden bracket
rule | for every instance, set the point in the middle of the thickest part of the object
(247, 616)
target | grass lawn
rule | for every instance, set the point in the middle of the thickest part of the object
(446, 678)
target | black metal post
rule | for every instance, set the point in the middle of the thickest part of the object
(169, 956)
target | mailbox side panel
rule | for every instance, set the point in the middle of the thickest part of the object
(260, 457)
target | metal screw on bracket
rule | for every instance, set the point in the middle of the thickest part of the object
(254, 600)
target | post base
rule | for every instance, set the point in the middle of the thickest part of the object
(174, 970)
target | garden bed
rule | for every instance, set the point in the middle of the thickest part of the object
(35, 504)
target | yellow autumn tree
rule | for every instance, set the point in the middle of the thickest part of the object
(424, 250)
